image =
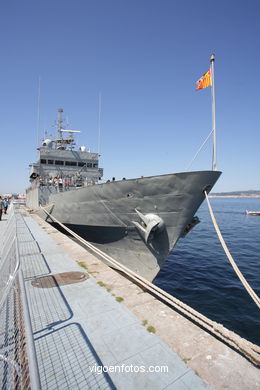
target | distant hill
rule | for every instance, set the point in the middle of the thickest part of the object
(242, 194)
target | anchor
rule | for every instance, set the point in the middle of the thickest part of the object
(150, 223)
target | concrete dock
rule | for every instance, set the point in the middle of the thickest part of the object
(95, 329)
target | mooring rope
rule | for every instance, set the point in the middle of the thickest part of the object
(250, 350)
(108, 209)
(230, 258)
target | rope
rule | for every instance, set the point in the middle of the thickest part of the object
(250, 350)
(108, 209)
(230, 258)
(191, 162)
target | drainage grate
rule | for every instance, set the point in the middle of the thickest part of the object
(61, 279)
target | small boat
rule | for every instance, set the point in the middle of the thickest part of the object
(252, 212)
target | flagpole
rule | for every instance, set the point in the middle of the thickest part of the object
(214, 157)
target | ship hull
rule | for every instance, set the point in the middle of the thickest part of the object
(112, 215)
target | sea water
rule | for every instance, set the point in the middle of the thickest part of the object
(198, 272)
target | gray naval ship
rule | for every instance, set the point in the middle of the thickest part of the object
(135, 221)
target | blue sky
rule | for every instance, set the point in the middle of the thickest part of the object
(144, 57)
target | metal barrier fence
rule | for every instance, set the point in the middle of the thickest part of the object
(18, 363)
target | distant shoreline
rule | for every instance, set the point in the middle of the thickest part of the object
(234, 196)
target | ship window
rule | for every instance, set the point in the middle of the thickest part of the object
(59, 162)
(50, 161)
(89, 165)
(81, 164)
(43, 161)
(71, 163)
(95, 165)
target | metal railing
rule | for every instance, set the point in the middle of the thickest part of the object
(18, 362)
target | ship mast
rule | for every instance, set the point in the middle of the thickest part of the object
(62, 142)
(60, 121)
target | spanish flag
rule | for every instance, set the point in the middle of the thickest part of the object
(204, 81)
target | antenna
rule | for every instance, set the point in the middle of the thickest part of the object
(38, 112)
(69, 131)
(99, 116)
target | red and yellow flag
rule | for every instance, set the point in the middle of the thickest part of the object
(204, 81)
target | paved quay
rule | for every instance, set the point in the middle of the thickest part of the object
(88, 320)
(81, 330)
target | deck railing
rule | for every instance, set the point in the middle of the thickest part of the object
(18, 362)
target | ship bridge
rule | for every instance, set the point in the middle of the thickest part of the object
(59, 160)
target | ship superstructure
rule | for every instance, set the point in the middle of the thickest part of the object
(59, 164)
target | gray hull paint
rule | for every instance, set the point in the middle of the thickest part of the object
(104, 214)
